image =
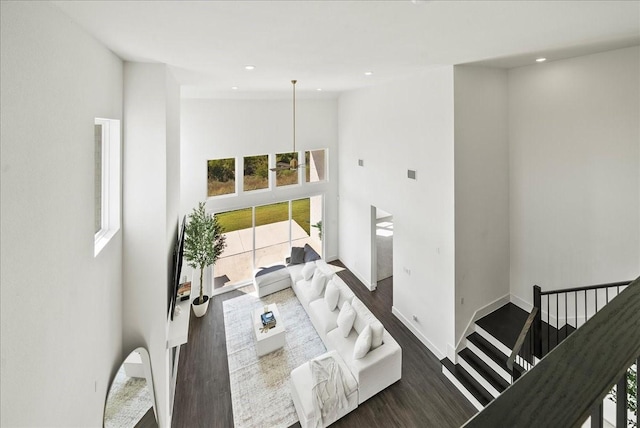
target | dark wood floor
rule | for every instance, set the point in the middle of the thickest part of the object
(422, 398)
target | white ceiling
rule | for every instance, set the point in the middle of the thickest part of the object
(330, 44)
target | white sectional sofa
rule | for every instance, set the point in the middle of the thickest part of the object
(381, 366)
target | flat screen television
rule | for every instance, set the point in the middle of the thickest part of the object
(174, 280)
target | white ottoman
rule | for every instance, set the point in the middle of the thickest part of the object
(301, 392)
(271, 279)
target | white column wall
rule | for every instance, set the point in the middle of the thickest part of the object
(394, 127)
(574, 187)
(213, 129)
(151, 200)
(482, 192)
(60, 307)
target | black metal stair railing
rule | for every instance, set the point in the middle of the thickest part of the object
(568, 385)
(561, 312)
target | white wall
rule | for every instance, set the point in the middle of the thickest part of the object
(212, 129)
(61, 308)
(481, 190)
(574, 187)
(150, 214)
(403, 125)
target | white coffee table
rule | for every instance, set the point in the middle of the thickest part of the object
(273, 338)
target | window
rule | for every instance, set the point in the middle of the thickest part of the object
(315, 165)
(256, 172)
(221, 177)
(286, 177)
(106, 181)
(263, 235)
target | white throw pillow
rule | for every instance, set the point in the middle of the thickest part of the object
(377, 329)
(345, 318)
(363, 343)
(308, 270)
(317, 283)
(331, 295)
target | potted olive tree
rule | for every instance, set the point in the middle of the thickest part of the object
(203, 245)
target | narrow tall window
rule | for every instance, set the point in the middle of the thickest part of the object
(315, 165)
(107, 174)
(221, 177)
(98, 177)
(286, 177)
(256, 172)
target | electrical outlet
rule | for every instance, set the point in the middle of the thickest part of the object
(462, 300)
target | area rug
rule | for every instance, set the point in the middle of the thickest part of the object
(260, 390)
(128, 401)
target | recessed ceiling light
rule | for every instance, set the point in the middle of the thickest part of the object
(249, 67)
(319, 89)
(541, 59)
(235, 88)
(368, 73)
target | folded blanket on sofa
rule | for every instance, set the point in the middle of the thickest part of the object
(329, 393)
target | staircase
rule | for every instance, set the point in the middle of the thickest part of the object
(481, 372)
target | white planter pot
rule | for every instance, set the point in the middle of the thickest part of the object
(200, 309)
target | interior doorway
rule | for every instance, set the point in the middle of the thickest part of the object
(381, 245)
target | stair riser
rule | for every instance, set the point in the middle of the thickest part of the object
(478, 377)
(462, 389)
(495, 342)
(495, 366)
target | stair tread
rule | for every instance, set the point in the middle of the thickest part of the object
(496, 381)
(492, 352)
(473, 386)
(504, 323)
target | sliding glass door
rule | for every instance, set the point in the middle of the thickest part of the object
(263, 235)
(271, 234)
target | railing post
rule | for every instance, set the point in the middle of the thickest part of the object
(597, 416)
(621, 402)
(537, 323)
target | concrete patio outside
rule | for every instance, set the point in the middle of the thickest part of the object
(272, 246)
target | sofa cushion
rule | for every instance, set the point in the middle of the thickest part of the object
(323, 319)
(308, 270)
(377, 331)
(324, 267)
(346, 295)
(318, 282)
(363, 343)
(345, 319)
(343, 345)
(364, 317)
(297, 255)
(295, 272)
(310, 254)
(331, 295)
(305, 293)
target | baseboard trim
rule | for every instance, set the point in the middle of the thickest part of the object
(421, 337)
(361, 278)
(485, 310)
(523, 304)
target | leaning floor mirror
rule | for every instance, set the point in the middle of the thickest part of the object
(130, 402)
